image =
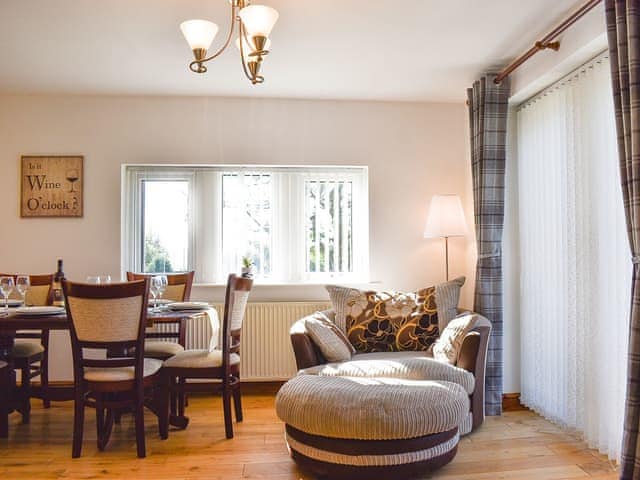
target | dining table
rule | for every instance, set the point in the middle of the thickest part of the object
(11, 322)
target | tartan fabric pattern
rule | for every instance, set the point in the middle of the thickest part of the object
(623, 32)
(488, 105)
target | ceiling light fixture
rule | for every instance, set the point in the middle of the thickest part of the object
(255, 23)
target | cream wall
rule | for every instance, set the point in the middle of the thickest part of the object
(413, 151)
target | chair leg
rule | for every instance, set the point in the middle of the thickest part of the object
(78, 424)
(226, 406)
(4, 402)
(104, 423)
(237, 400)
(162, 400)
(181, 397)
(100, 422)
(44, 370)
(139, 422)
(25, 393)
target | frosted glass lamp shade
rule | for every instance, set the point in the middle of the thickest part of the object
(248, 47)
(258, 19)
(445, 217)
(199, 33)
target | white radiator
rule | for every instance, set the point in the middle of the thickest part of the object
(266, 350)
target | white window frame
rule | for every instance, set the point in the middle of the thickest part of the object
(205, 218)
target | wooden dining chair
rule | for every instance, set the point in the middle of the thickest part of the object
(171, 339)
(221, 365)
(110, 317)
(30, 353)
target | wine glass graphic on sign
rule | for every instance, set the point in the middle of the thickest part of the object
(72, 176)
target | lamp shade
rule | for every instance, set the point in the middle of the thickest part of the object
(258, 19)
(445, 217)
(199, 33)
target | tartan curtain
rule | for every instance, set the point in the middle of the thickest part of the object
(623, 32)
(488, 104)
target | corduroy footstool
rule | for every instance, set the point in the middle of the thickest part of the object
(346, 427)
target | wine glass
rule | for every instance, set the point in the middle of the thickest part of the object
(6, 287)
(72, 176)
(22, 285)
(94, 279)
(164, 281)
(154, 288)
(104, 279)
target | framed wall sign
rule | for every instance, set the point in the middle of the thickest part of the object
(51, 186)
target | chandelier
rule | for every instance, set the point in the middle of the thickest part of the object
(254, 22)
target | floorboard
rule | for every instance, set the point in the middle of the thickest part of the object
(518, 445)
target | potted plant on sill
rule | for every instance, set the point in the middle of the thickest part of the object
(247, 267)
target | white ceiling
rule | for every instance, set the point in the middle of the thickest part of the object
(415, 50)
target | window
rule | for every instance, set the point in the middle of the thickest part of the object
(328, 214)
(165, 213)
(574, 258)
(294, 223)
(247, 220)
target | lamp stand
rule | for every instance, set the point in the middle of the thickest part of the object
(446, 257)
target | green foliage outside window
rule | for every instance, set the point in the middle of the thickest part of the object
(156, 257)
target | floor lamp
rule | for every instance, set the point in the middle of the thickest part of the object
(445, 219)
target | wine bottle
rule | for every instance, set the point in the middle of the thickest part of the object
(58, 295)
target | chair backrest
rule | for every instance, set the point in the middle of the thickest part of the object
(235, 305)
(179, 284)
(111, 317)
(39, 292)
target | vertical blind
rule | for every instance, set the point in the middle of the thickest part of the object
(575, 260)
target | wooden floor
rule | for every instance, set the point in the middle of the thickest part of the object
(519, 445)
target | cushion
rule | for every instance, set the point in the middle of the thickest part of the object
(394, 321)
(407, 365)
(371, 408)
(117, 374)
(447, 300)
(153, 347)
(199, 359)
(333, 344)
(26, 348)
(447, 347)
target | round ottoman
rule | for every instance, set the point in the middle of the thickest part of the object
(347, 427)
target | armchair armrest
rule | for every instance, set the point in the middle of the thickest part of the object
(473, 357)
(305, 350)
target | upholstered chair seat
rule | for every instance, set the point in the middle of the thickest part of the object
(26, 348)
(200, 359)
(121, 374)
(161, 349)
(407, 365)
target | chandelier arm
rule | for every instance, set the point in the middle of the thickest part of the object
(242, 59)
(226, 44)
